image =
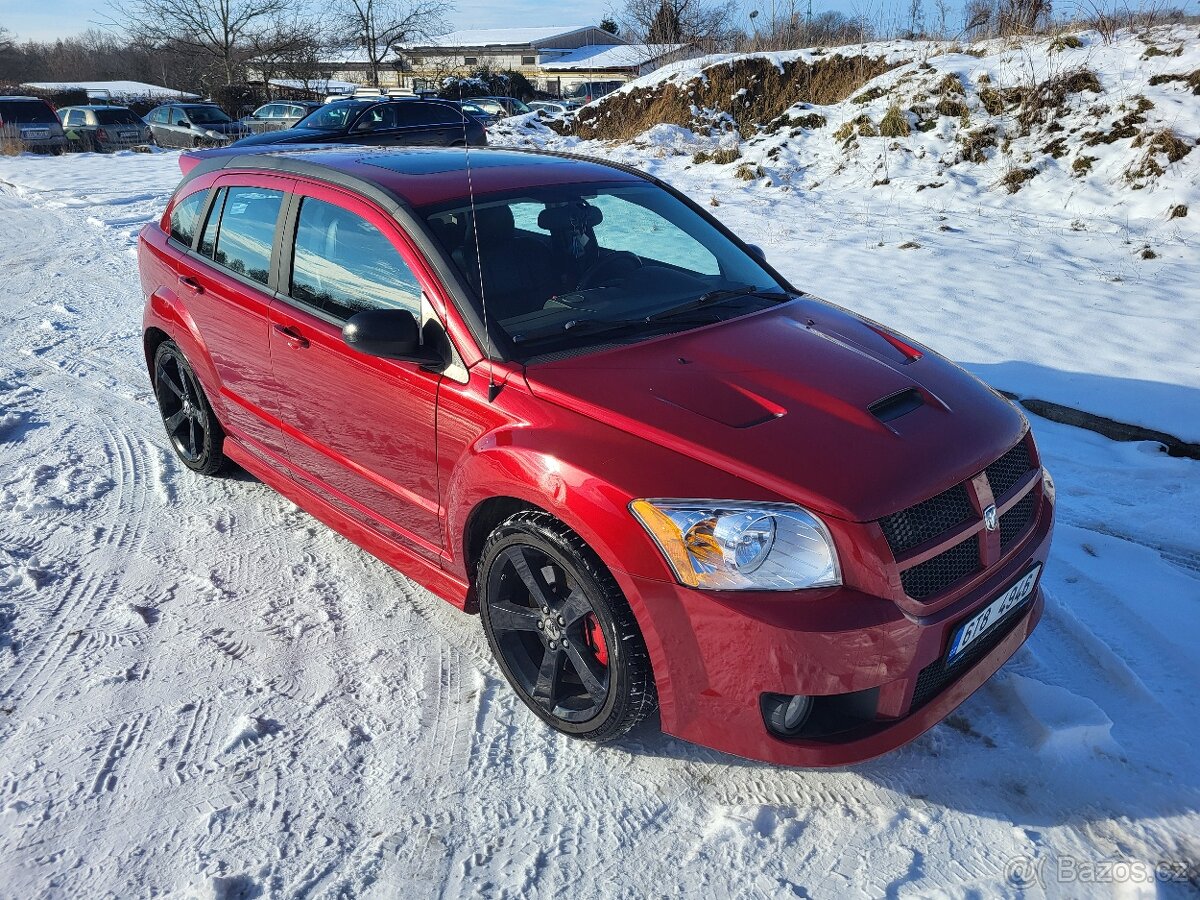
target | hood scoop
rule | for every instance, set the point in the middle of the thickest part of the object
(718, 400)
(896, 405)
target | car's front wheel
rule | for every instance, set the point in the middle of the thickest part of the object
(195, 434)
(561, 629)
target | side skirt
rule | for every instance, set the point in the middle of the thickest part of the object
(420, 570)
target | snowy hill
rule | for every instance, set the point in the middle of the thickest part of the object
(1031, 222)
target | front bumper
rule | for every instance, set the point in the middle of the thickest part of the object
(716, 653)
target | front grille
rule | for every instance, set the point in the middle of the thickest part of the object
(914, 526)
(1004, 474)
(1014, 522)
(937, 676)
(935, 575)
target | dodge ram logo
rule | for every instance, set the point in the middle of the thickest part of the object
(991, 521)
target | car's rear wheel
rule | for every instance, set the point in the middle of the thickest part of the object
(561, 629)
(195, 434)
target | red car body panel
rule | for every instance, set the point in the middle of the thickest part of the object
(773, 406)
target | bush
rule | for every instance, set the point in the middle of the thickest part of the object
(723, 156)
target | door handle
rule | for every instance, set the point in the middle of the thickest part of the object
(191, 284)
(294, 338)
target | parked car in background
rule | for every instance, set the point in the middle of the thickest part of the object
(380, 121)
(193, 125)
(30, 123)
(589, 91)
(104, 128)
(278, 115)
(525, 391)
(550, 108)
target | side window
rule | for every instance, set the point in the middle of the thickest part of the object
(378, 118)
(158, 117)
(185, 217)
(178, 117)
(246, 231)
(76, 117)
(343, 264)
(414, 113)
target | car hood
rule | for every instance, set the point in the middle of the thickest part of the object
(790, 399)
(289, 136)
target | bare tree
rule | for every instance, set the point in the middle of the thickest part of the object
(7, 42)
(1023, 16)
(708, 24)
(224, 30)
(379, 27)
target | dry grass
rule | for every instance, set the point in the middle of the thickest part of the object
(1178, 211)
(894, 123)
(1153, 51)
(770, 92)
(1159, 145)
(860, 126)
(11, 146)
(1015, 179)
(1191, 79)
(747, 172)
(1065, 42)
(1043, 102)
(1082, 165)
(976, 144)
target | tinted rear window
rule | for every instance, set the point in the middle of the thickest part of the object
(184, 217)
(117, 117)
(414, 113)
(247, 230)
(31, 111)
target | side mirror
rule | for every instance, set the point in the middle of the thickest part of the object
(757, 251)
(389, 333)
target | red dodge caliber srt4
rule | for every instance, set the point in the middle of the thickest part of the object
(558, 393)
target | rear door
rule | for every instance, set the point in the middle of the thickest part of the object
(361, 428)
(433, 124)
(226, 282)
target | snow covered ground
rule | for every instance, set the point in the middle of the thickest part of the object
(205, 692)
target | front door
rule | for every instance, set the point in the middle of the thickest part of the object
(360, 429)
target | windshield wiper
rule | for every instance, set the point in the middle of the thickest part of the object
(588, 326)
(715, 297)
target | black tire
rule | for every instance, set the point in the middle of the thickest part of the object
(532, 563)
(192, 428)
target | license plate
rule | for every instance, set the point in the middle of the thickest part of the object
(34, 134)
(127, 135)
(978, 624)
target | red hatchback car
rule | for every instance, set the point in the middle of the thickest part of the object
(557, 392)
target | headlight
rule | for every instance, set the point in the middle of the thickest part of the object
(721, 545)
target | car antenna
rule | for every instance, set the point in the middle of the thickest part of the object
(493, 388)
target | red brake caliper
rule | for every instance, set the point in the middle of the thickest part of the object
(595, 639)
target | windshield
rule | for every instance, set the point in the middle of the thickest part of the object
(573, 266)
(30, 112)
(206, 115)
(519, 107)
(117, 117)
(334, 116)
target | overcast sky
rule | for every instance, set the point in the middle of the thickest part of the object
(62, 18)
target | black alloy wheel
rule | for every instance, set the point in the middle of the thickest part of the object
(561, 629)
(193, 429)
